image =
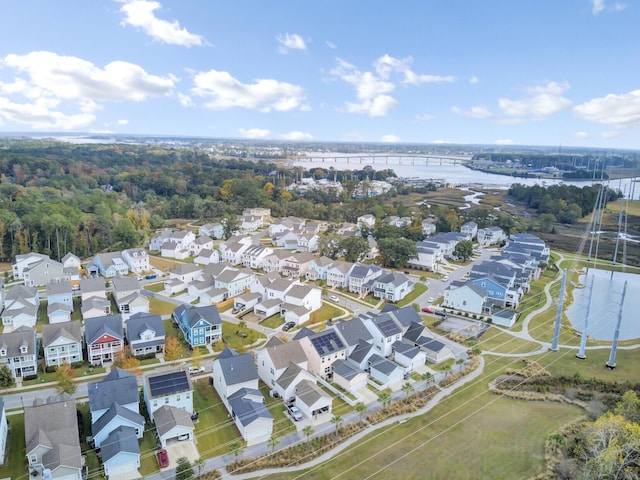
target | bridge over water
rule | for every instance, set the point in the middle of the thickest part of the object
(395, 159)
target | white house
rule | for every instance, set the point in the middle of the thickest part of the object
(120, 453)
(19, 351)
(167, 387)
(21, 307)
(62, 342)
(137, 259)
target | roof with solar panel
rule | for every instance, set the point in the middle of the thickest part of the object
(326, 342)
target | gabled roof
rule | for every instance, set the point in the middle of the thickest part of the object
(21, 337)
(326, 342)
(346, 369)
(289, 375)
(140, 322)
(361, 352)
(382, 364)
(57, 288)
(117, 386)
(352, 331)
(122, 440)
(20, 292)
(309, 393)
(96, 327)
(237, 368)
(386, 325)
(54, 422)
(303, 332)
(92, 285)
(405, 316)
(283, 353)
(169, 381)
(299, 291)
(186, 269)
(114, 411)
(125, 284)
(69, 330)
(405, 349)
(167, 417)
(246, 409)
(195, 314)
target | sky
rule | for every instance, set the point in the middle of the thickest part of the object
(497, 72)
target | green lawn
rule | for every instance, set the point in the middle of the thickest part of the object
(235, 338)
(494, 340)
(418, 290)
(155, 287)
(16, 461)
(273, 322)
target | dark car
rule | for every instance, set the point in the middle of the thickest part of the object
(288, 326)
(163, 458)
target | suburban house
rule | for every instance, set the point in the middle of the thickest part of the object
(167, 387)
(429, 227)
(186, 273)
(392, 286)
(116, 416)
(235, 379)
(235, 281)
(4, 430)
(429, 255)
(467, 297)
(470, 229)
(351, 332)
(203, 242)
(531, 244)
(207, 256)
(95, 307)
(128, 297)
(323, 349)
(275, 261)
(60, 301)
(71, 261)
(300, 301)
(43, 272)
(312, 400)
(384, 330)
(104, 337)
(213, 230)
(419, 336)
(348, 376)
(249, 223)
(253, 257)
(120, 453)
(145, 334)
(231, 251)
(318, 268)
(338, 274)
(504, 317)
(19, 351)
(181, 238)
(118, 386)
(137, 259)
(491, 236)
(264, 213)
(408, 356)
(23, 260)
(92, 287)
(362, 278)
(368, 221)
(385, 371)
(173, 423)
(62, 343)
(21, 307)
(52, 438)
(275, 358)
(108, 265)
(199, 325)
(308, 242)
(297, 264)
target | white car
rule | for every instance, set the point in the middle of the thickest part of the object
(295, 413)
(431, 300)
(334, 298)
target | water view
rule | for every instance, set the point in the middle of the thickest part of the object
(607, 287)
(451, 174)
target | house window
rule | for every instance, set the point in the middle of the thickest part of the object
(177, 398)
(166, 400)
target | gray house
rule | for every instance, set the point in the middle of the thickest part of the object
(145, 333)
(19, 351)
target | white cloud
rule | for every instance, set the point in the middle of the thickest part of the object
(540, 102)
(425, 117)
(599, 6)
(619, 111)
(613, 134)
(582, 135)
(55, 86)
(185, 100)
(122, 121)
(473, 80)
(290, 41)
(331, 45)
(225, 91)
(390, 138)
(387, 64)
(504, 141)
(254, 133)
(140, 14)
(474, 112)
(297, 136)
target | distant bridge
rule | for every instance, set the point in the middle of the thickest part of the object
(395, 159)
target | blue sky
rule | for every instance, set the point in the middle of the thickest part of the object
(530, 72)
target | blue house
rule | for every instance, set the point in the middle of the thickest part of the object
(199, 325)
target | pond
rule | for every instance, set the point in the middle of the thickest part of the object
(605, 304)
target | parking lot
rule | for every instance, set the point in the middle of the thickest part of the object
(463, 326)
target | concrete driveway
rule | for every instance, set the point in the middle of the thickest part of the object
(177, 449)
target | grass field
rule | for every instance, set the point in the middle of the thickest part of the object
(497, 341)
(472, 434)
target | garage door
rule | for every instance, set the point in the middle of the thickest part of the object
(127, 467)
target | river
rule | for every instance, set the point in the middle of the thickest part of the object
(450, 174)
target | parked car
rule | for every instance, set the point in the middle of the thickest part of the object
(193, 370)
(431, 300)
(163, 458)
(334, 298)
(236, 310)
(295, 412)
(183, 437)
(428, 310)
(445, 278)
(288, 326)
(440, 313)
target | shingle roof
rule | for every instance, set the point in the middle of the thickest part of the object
(71, 330)
(167, 417)
(238, 368)
(283, 353)
(246, 409)
(309, 393)
(118, 386)
(116, 410)
(122, 439)
(98, 326)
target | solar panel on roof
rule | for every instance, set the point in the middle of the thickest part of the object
(168, 383)
(388, 327)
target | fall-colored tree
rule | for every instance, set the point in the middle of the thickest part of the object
(64, 379)
(196, 358)
(124, 360)
(172, 349)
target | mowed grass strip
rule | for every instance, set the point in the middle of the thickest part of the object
(495, 340)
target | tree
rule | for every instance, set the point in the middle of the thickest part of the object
(6, 378)
(337, 420)
(384, 397)
(408, 389)
(237, 447)
(361, 408)
(196, 358)
(126, 361)
(354, 248)
(200, 463)
(464, 249)
(460, 362)
(273, 442)
(184, 469)
(629, 406)
(428, 378)
(396, 252)
(447, 369)
(230, 224)
(308, 431)
(64, 379)
(172, 349)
